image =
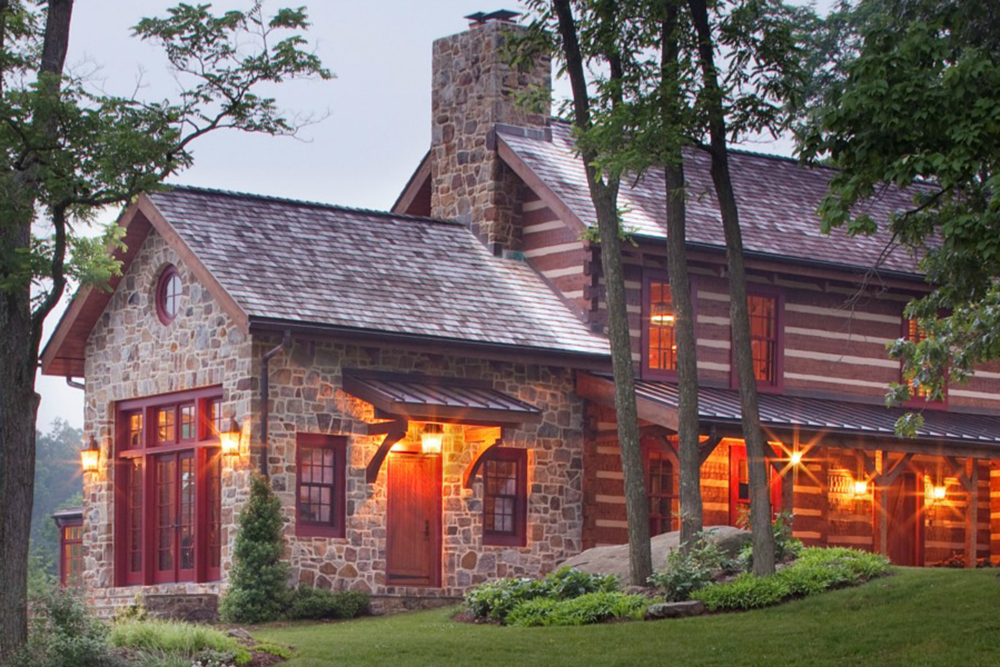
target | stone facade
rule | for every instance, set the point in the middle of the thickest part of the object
(307, 397)
(130, 354)
(474, 89)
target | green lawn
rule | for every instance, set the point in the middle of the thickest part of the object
(916, 617)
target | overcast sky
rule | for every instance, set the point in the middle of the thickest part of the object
(376, 131)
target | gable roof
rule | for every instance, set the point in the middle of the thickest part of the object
(778, 201)
(284, 262)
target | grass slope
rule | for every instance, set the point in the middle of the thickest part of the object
(916, 617)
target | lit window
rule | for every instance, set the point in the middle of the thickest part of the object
(165, 425)
(660, 489)
(71, 559)
(168, 295)
(320, 485)
(505, 497)
(135, 431)
(187, 422)
(662, 334)
(763, 311)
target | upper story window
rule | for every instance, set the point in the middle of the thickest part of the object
(765, 339)
(505, 497)
(168, 294)
(320, 492)
(659, 340)
(921, 395)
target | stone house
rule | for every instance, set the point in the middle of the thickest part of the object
(428, 388)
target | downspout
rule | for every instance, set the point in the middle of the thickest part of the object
(265, 409)
(74, 383)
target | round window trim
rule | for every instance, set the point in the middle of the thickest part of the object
(168, 294)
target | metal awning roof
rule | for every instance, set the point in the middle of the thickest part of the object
(861, 421)
(429, 398)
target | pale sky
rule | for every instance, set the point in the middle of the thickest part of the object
(361, 155)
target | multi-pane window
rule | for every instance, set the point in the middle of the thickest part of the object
(168, 490)
(660, 489)
(71, 557)
(763, 311)
(917, 334)
(505, 497)
(661, 339)
(320, 485)
(214, 418)
(739, 486)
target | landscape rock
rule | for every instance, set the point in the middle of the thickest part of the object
(614, 559)
(675, 610)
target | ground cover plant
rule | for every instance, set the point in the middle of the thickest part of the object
(495, 600)
(908, 619)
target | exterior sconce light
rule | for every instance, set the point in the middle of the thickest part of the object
(796, 457)
(229, 440)
(938, 493)
(430, 439)
(860, 488)
(90, 456)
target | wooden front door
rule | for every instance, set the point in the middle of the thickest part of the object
(902, 510)
(413, 550)
(739, 485)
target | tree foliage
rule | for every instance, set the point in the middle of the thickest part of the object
(919, 107)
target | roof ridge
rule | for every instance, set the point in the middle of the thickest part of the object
(304, 203)
(744, 151)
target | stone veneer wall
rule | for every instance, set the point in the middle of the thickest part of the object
(130, 354)
(474, 89)
(307, 397)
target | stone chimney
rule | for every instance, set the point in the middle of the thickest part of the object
(474, 90)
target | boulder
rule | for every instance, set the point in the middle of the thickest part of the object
(614, 559)
(674, 609)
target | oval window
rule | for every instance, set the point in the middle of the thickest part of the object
(168, 295)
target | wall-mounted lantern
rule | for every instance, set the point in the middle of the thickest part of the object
(231, 439)
(431, 438)
(796, 457)
(90, 456)
(939, 493)
(860, 488)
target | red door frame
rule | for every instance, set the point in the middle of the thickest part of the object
(738, 453)
(435, 529)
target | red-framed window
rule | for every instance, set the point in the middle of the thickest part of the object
(765, 310)
(661, 489)
(320, 485)
(660, 345)
(912, 331)
(168, 489)
(169, 289)
(505, 497)
(739, 484)
(71, 552)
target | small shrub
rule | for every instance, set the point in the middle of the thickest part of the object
(133, 612)
(745, 592)
(585, 609)
(177, 638)
(496, 599)
(786, 547)
(64, 632)
(258, 584)
(310, 603)
(690, 572)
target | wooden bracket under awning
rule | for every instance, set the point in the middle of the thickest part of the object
(394, 432)
(490, 437)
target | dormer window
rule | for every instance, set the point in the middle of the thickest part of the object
(168, 294)
(659, 320)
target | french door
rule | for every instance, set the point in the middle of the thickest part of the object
(174, 491)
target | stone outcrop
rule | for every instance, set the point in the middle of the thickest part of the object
(614, 559)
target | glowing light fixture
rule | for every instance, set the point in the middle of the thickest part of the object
(939, 493)
(662, 315)
(90, 456)
(796, 457)
(430, 439)
(860, 487)
(230, 439)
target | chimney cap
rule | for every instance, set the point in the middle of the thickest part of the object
(481, 18)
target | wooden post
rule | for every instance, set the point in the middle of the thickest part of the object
(972, 518)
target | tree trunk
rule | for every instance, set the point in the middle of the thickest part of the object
(605, 198)
(20, 337)
(760, 501)
(688, 427)
(18, 409)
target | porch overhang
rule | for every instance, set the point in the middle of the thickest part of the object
(403, 398)
(835, 423)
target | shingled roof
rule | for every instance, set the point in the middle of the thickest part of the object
(778, 200)
(319, 264)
